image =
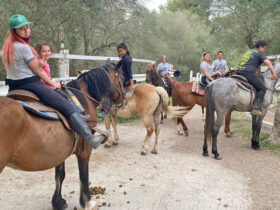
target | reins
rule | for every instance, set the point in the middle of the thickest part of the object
(88, 96)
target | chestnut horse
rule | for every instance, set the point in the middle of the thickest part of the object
(30, 143)
(147, 101)
(182, 95)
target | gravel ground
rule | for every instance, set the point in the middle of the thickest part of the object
(179, 177)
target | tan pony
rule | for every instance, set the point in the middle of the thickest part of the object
(147, 101)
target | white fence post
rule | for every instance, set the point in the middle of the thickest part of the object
(63, 65)
(191, 75)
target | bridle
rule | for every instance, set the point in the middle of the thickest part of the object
(120, 91)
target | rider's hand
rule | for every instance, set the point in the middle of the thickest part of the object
(41, 63)
(57, 86)
(130, 88)
(273, 77)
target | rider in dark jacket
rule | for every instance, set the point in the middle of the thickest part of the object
(125, 63)
(250, 62)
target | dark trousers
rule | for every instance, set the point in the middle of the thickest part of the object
(205, 81)
(48, 96)
(256, 81)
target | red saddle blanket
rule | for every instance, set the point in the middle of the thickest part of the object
(196, 89)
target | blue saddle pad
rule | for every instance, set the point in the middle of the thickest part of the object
(48, 115)
(243, 86)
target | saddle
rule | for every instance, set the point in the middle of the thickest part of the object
(31, 103)
(243, 83)
(198, 88)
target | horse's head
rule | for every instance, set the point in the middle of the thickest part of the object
(151, 74)
(150, 67)
(116, 78)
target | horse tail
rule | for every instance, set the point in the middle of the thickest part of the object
(175, 111)
(210, 113)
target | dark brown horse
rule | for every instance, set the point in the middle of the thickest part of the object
(30, 143)
(183, 96)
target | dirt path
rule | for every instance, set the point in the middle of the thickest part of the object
(177, 178)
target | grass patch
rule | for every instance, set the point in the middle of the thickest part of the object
(128, 120)
(122, 120)
(242, 127)
(234, 116)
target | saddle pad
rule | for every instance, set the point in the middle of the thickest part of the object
(243, 86)
(196, 89)
(22, 95)
(44, 112)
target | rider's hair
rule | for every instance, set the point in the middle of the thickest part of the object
(203, 57)
(220, 52)
(260, 43)
(39, 47)
(8, 47)
(123, 46)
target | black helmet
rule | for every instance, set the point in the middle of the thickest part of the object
(177, 73)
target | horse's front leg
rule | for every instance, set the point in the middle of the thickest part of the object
(57, 201)
(110, 140)
(256, 129)
(85, 199)
(114, 124)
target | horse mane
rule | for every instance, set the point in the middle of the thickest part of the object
(98, 82)
(76, 91)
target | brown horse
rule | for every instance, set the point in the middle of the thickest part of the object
(146, 101)
(153, 77)
(30, 143)
(183, 96)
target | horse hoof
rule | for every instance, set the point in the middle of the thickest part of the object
(61, 205)
(179, 133)
(107, 145)
(205, 154)
(143, 152)
(229, 135)
(115, 143)
(255, 145)
(154, 152)
(186, 134)
(218, 157)
(91, 205)
(161, 122)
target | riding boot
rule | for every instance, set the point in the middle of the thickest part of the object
(81, 128)
(257, 107)
(105, 110)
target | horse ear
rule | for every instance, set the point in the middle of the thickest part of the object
(108, 61)
(79, 72)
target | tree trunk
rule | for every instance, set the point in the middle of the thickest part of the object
(275, 134)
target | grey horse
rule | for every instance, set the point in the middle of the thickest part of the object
(224, 95)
